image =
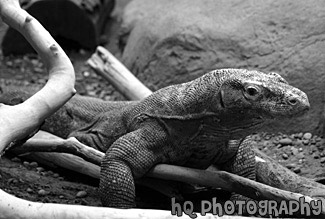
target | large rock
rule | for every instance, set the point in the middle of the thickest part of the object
(169, 41)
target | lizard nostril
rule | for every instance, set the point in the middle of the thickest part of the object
(292, 101)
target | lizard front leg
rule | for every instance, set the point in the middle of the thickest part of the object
(130, 157)
(243, 163)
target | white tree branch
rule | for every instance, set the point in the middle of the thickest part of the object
(18, 121)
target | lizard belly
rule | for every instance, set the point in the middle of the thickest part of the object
(203, 151)
(201, 144)
(209, 152)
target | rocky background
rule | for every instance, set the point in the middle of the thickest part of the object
(165, 42)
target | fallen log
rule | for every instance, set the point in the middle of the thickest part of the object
(271, 173)
(219, 179)
(22, 209)
(112, 70)
(73, 23)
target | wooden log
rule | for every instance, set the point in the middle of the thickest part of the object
(270, 172)
(18, 121)
(22, 209)
(219, 179)
(112, 70)
(42, 143)
(73, 23)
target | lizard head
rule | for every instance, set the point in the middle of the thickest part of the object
(258, 94)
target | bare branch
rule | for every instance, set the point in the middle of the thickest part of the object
(216, 178)
(22, 209)
(106, 65)
(18, 121)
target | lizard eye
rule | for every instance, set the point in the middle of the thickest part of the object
(251, 92)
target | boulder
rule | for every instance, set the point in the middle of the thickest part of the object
(167, 42)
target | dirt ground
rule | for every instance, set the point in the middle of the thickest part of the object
(303, 153)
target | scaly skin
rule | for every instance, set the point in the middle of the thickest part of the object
(197, 124)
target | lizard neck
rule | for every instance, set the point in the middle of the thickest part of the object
(203, 94)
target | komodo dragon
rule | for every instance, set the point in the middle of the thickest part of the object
(195, 124)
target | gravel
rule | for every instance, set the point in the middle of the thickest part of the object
(81, 194)
(43, 192)
(303, 153)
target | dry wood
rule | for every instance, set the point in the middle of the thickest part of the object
(22, 209)
(17, 122)
(106, 65)
(42, 142)
(219, 179)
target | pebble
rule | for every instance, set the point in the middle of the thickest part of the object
(294, 151)
(42, 192)
(35, 62)
(92, 93)
(307, 136)
(298, 143)
(29, 190)
(26, 164)
(299, 135)
(40, 169)
(82, 52)
(285, 156)
(305, 141)
(16, 159)
(61, 197)
(297, 170)
(81, 194)
(285, 141)
(300, 156)
(300, 150)
(33, 164)
(291, 165)
(322, 160)
(86, 74)
(56, 175)
(9, 63)
(313, 148)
